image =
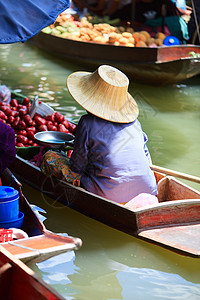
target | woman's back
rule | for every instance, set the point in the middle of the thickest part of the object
(112, 158)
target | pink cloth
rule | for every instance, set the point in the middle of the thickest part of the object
(142, 200)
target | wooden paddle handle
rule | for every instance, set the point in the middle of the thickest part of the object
(175, 173)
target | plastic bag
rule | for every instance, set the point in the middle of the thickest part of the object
(5, 94)
(41, 108)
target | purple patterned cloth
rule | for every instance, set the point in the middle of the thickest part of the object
(7, 146)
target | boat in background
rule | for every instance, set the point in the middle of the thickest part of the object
(41, 244)
(17, 281)
(157, 66)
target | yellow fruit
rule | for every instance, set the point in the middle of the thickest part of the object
(159, 42)
(145, 33)
(127, 35)
(123, 41)
(160, 35)
(136, 34)
(141, 44)
(130, 29)
(142, 37)
(150, 41)
(131, 40)
(113, 37)
(130, 45)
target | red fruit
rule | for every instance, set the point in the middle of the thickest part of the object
(52, 128)
(72, 127)
(25, 101)
(62, 128)
(32, 128)
(3, 115)
(22, 139)
(66, 123)
(39, 120)
(4, 104)
(14, 102)
(8, 111)
(69, 153)
(20, 145)
(49, 124)
(16, 122)
(23, 132)
(59, 117)
(31, 135)
(3, 121)
(30, 142)
(28, 120)
(14, 113)
(11, 119)
(21, 106)
(51, 117)
(21, 125)
(22, 112)
(28, 106)
(35, 144)
(42, 128)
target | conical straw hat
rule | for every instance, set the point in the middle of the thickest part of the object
(104, 93)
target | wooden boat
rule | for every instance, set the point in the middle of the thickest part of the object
(17, 281)
(173, 223)
(41, 244)
(157, 66)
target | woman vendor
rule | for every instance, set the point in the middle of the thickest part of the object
(110, 155)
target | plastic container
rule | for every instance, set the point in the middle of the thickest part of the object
(6, 235)
(17, 223)
(9, 204)
(171, 41)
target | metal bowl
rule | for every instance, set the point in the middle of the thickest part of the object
(54, 139)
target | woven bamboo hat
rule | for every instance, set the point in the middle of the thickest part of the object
(104, 93)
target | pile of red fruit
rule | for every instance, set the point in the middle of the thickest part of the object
(17, 116)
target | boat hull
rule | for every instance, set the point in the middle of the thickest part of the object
(185, 200)
(17, 281)
(156, 66)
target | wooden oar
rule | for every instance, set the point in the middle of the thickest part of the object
(175, 173)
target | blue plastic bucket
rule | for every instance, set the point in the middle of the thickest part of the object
(9, 204)
(17, 223)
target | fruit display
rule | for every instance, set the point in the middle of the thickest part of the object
(67, 27)
(17, 116)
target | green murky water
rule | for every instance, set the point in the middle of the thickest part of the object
(111, 264)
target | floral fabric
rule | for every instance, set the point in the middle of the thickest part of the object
(58, 165)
